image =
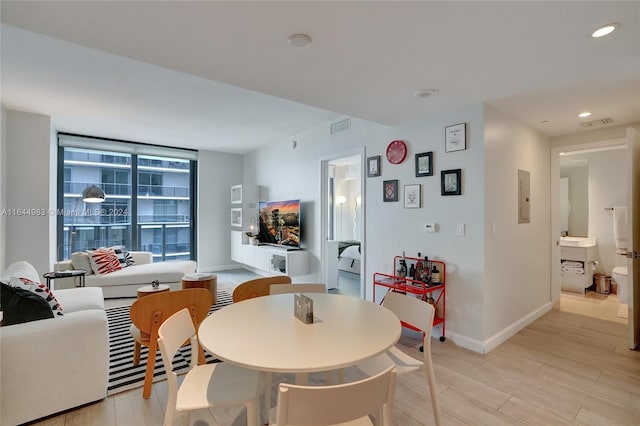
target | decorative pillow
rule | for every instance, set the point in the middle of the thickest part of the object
(104, 261)
(81, 260)
(39, 289)
(19, 305)
(124, 257)
(21, 269)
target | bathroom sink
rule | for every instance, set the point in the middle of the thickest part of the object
(577, 241)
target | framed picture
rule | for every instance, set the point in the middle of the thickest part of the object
(455, 137)
(451, 182)
(390, 190)
(424, 164)
(373, 166)
(412, 196)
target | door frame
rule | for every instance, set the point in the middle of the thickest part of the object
(324, 207)
(554, 296)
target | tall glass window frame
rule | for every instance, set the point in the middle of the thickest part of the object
(110, 176)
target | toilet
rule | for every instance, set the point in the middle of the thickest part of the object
(619, 275)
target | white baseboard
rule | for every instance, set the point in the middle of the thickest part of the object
(504, 334)
(494, 341)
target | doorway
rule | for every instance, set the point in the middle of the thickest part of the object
(590, 180)
(343, 223)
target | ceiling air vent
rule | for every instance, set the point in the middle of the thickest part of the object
(341, 125)
(599, 122)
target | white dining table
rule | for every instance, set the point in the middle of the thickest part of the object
(263, 334)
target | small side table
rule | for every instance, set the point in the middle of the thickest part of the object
(149, 289)
(65, 274)
(210, 283)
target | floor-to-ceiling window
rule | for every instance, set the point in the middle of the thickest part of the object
(150, 197)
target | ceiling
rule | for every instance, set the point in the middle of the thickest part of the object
(221, 75)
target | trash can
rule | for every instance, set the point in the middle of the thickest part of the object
(602, 283)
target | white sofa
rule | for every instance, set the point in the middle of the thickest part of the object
(52, 365)
(125, 282)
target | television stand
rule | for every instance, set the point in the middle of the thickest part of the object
(279, 260)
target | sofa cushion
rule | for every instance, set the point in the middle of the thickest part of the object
(21, 269)
(81, 260)
(165, 272)
(80, 299)
(104, 261)
(39, 289)
(19, 305)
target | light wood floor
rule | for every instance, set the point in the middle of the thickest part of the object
(592, 304)
(564, 368)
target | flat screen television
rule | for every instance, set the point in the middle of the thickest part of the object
(279, 223)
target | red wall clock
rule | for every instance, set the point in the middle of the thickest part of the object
(396, 152)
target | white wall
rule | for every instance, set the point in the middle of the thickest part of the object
(390, 228)
(217, 172)
(517, 256)
(30, 175)
(3, 187)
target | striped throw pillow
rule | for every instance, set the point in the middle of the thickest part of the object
(104, 261)
(124, 257)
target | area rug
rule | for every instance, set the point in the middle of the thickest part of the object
(123, 375)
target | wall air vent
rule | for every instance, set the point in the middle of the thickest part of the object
(341, 125)
(599, 122)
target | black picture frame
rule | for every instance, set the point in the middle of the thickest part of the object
(424, 164)
(455, 137)
(390, 190)
(374, 166)
(451, 182)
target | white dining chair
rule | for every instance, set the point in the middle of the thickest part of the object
(344, 404)
(419, 314)
(297, 288)
(204, 385)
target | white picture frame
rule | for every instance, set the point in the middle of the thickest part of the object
(412, 196)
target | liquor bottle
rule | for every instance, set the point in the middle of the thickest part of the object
(412, 272)
(435, 275)
(402, 268)
(419, 267)
(424, 277)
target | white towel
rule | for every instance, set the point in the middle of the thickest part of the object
(620, 227)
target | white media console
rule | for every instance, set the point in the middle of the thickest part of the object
(272, 259)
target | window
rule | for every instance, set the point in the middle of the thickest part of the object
(149, 198)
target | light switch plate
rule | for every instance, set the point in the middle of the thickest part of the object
(460, 229)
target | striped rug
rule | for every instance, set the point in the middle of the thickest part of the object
(123, 375)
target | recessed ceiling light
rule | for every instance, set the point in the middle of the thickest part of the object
(299, 40)
(584, 114)
(424, 93)
(603, 31)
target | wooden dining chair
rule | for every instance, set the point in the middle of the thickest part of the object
(257, 287)
(149, 312)
(344, 404)
(297, 288)
(419, 314)
(205, 385)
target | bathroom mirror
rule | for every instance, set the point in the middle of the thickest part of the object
(574, 196)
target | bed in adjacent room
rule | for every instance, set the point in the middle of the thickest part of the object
(349, 255)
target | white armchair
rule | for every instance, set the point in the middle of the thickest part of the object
(51, 365)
